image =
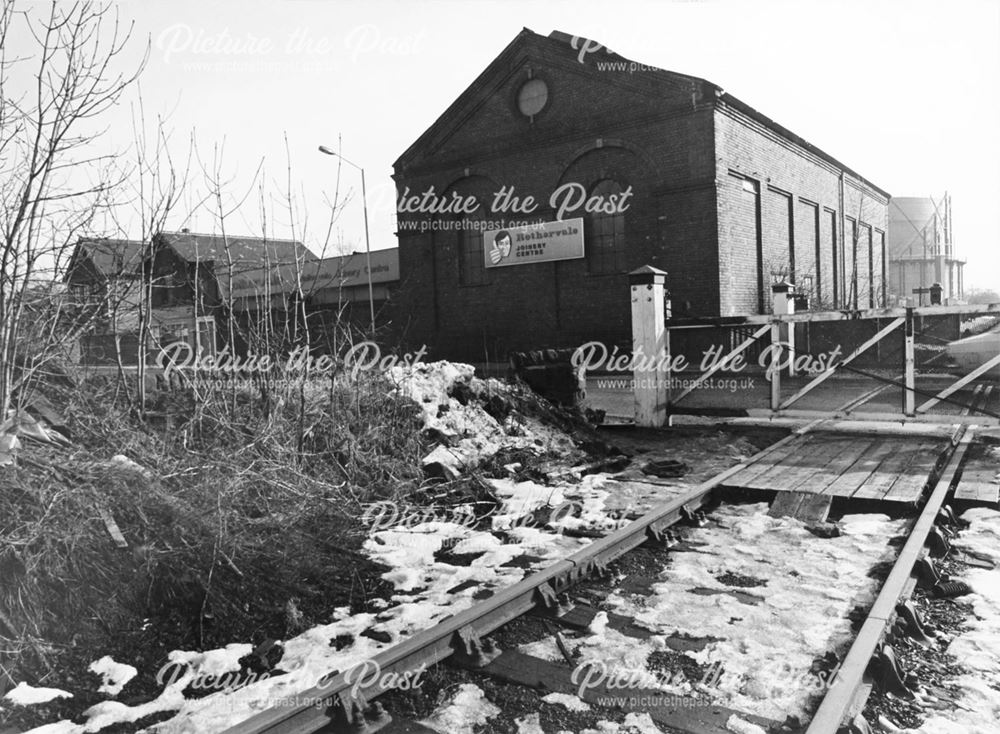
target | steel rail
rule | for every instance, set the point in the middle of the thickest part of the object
(324, 704)
(843, 695)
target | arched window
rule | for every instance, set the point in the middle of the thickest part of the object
(606, 236)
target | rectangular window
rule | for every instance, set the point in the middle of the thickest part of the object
(743, 286)
(471, 263)
(778, 237)
(832, 249)
(606, 244)
(851, 266)
(880, 268)
(205, 335)
(606, 238)
(869, 259)
(806, 237)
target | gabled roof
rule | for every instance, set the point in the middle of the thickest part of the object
(571, 48)
(236, 261)
(194, 247)
(106, 258)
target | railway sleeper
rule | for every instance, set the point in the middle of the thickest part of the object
(926, 572)
(693, 516)
(887, 673)
(913, 624)
(597, 685)
(550, 603)
(857, 725)
(658, 533)
(469, 650)
(351, 713)
(938, 542)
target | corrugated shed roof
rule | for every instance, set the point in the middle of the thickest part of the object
(315, 275)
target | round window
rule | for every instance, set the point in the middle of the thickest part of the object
(532, 97)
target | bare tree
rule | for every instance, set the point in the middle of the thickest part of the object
(53, 179)
(156, 179)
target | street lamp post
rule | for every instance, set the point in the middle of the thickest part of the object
(368, 247)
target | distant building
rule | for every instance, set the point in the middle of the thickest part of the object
(195, 276)
(921, 249)
(106, 273)
(627, 165)
(332, 294)
(211, 291)
(104, 285)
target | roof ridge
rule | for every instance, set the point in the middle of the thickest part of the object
(237, 237)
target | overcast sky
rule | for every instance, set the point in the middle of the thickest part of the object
(906, 93)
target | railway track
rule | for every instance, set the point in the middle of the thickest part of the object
(337, 704)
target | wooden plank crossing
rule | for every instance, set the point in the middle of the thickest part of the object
(877, 467)
(980, 480)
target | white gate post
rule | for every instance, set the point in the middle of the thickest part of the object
(649, 345)
(909, 378)
(783, 304)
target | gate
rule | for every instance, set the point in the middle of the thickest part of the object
(807, 363)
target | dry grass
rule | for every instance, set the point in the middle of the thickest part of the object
(245, 509)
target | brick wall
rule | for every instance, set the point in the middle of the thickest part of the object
(662, 146)
(794, 183)
(719, 201)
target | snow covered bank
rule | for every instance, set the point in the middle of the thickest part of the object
(454, 402)
(453, 407)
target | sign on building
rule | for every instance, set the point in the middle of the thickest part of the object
(534, 243)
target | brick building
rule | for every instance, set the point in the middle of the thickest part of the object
(683, 176)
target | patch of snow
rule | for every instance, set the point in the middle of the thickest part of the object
(529, 724)
(114, 675)
(741, 726)
(466, 710)
(598, 624)
(573, 703)
(24, 695)
(633, 724)
(471, 432)
(59, 727)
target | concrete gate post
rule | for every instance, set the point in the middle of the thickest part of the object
(650, 345)
(783, 304)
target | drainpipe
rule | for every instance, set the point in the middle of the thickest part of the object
(840, 244)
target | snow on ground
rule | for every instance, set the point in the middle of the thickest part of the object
(977, 324)
(114, 675)
(765, 650)
(24, 695)
(741, 726)
(978, 648)
(633, 724)
(473, 434)
(530, 724)
(425, 586)
(573, 703)
(466, 710)
(469, 708)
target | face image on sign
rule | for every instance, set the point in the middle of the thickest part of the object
(501, 246)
